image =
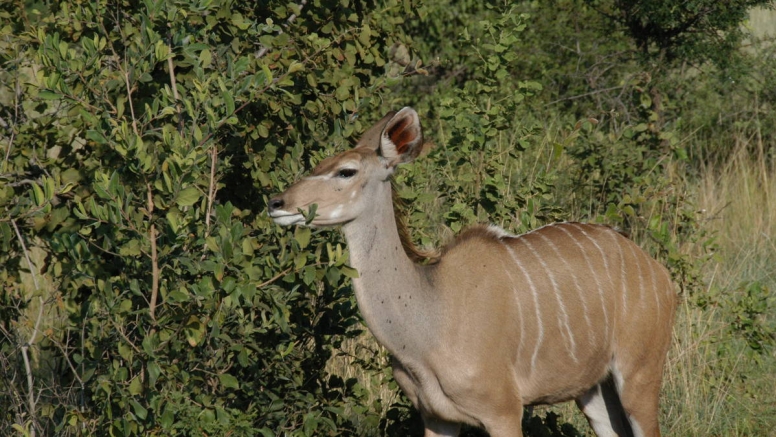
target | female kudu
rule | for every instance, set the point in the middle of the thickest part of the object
(498, 321)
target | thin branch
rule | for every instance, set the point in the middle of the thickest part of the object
(96, 246)
(131, 105)
(120, 330)
(211, 194)
(17, 94)
(66, 356)
(174, 85)
(124, 72)
(25, 348)
(29, 262)
(274, 278)
(154, 256)
(21, 182)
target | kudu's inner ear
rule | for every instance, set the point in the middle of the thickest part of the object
(402, 137)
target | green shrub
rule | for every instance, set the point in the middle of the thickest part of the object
(145, 292)
(146, 140)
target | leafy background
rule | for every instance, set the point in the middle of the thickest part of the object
(145, 291)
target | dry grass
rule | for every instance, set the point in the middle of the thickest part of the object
(714, 385)
(738, 198)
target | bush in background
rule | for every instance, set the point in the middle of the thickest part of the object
(147, 293)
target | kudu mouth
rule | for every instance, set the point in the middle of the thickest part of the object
(282, 217)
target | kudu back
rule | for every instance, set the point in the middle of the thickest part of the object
(498, 321)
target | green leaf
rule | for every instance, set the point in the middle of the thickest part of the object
(302, 236)
(194, 331)
(49, 95)
(229, 381)
(153, 372)
(295, 67)
(135, 387)
(239, 21)
(25, 432)
(96, 136)
(349, 272)
(161, 51)
(229, 100)
(173, 218)
(168, 418)
(140, 411)
(205, 58)
(132, 248)
(37, 194)
(187, 196)
(267, 73)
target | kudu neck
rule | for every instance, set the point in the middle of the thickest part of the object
(373, 238)
(393, 293)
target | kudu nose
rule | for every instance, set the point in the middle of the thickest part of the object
(275, 204)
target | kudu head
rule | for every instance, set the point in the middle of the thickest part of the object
(344, 186)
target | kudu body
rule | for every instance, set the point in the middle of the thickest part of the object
(567, 311)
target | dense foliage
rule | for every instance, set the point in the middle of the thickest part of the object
(144, 290)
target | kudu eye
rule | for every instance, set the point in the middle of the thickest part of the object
(347, 173)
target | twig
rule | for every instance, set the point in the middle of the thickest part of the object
(274, 278)
(120, 330)
(21, 182)
(25, 347)
(211, 194)
(17, 94)
(174, 85)
(154, 256)
(65, 354)
(131, 105)
(124, 72)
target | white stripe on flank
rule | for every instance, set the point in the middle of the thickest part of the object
(606, 267)
(580, 292)
(623, 279)
(519, 308)
(595, 277)
(499, 232)
(654, 286)
(568, 335)
(603, 254)
(536, 304)
(641, 274)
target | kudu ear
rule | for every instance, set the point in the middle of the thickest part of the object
(402, 137)
(371, 138)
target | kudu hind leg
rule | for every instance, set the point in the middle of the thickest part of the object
(604, 411)
(640, 394)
